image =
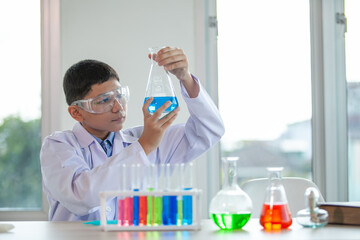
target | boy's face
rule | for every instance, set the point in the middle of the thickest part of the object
(100, 124)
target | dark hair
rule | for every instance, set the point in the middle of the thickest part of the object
(80, 77)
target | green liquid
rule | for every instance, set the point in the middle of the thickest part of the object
(179, 212)
(150, 208)
(230, 221)
(158, 203)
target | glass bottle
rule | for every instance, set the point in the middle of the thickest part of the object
(275, 214)
(159, 86)
(231, 207)
(312, 216)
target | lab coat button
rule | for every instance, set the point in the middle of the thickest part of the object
(108, 209)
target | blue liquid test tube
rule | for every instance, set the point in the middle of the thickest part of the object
(169, 202)
(187, 184)
(136, 187)
(165, 199)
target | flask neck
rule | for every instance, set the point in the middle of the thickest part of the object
(230, 174)
(153, 51)
(275, 192)
(275, 177)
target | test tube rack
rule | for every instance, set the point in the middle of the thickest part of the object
(195, 193)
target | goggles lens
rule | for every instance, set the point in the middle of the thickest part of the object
(105, 102)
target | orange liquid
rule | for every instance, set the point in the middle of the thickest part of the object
(142, 210)
(275, 216)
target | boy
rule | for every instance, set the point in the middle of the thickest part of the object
(76, 165)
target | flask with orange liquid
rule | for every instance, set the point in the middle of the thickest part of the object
(275, 214)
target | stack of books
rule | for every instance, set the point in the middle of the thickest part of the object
(342, 212)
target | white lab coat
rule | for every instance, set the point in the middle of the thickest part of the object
(75, 168)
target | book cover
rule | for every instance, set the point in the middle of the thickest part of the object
(342, 212)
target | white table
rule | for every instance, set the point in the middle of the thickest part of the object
(252, 230)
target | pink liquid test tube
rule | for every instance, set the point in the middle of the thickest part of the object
(128, 211)
(121, 199)
(128, 200)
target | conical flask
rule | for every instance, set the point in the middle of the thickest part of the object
(159, 86)
(231, 207)
(275, 214)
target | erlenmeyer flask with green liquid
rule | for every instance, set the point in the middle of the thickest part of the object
(231, 207)
(159, 86)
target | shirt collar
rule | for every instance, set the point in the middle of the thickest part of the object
(110, 138)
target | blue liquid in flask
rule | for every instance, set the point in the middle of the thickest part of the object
(159, 101)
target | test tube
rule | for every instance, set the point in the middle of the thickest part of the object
(187, 184)
(121, 200)
(128, 203)
(166, 198)
(136, 187)
(158, 200)
(143, 200)
(169, 202)
(150, 181)
(176, 185)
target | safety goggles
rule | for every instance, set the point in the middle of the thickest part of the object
(104, 102)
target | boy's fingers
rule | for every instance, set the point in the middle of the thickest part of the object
(146, 106)
(162, 109)
(172, 116)
(167, 118)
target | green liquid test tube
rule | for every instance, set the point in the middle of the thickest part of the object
(150, 213)
(179, 218)
(158, 203)
(150, 176)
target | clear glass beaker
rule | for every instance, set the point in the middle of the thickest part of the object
(231, 207)
(275, 214)
(159, 86)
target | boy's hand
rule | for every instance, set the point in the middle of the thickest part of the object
(154, 128)
(175, 61)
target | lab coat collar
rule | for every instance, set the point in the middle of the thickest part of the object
(85, 138)
(126, 138)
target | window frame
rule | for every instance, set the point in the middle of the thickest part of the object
(329, 93)
(50, 94)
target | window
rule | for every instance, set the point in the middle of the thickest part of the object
(265, 85)
(352, 39)
(20, 117)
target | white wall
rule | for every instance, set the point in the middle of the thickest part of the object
(119, 32)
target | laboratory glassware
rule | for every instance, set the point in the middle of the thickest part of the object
(170, 207)
(158, 200)
(129, 200)
(121, 204)
(159, 86)
(231, 207)
(187, 184)
(312, 216)
(275, 214)
(150, 182)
